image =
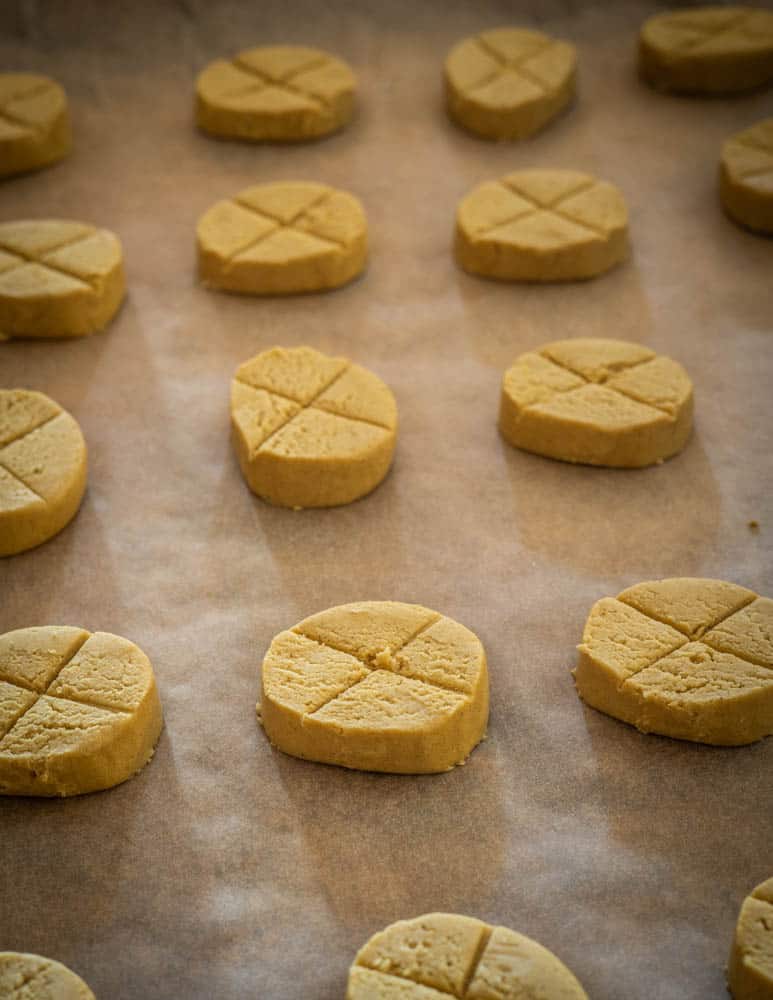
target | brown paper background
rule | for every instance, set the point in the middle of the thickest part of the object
(227, 869)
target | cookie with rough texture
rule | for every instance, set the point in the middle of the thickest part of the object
(750, 970)
(596, 401)
(707, 50)
(34, 123)
(32, 977)
(58, 278)
(284, 93)
(43, 467)
(541, 225)
(746, 177)
(79, 711)
(442, 955)
(282, 238)
(684, 657)
(510, 82)
(310, 430)
(376, 686)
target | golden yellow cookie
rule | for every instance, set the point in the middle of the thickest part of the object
(43, 466)
(310, 430)
(684, 657)
(509, 82)
(79, 711)
(278, 92)
(541, 225)
(376, 686)
(443, 955)
(277, 239)
(58, 278)
(34, 123)
(750, 970)
(707, 50)
(600, 402)
(32, 977)
(746, 177)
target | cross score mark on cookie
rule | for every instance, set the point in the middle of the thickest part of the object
(12, 259)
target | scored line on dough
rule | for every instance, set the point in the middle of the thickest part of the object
(405, 979)
(27, 258)
(284, 225)
(485, 937)
(516, 66)
(24, 434)
(282, 83)
(18, 478)
(553, 208)
(708, 35)
(707, 628)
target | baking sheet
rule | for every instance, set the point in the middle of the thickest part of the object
(227, 869)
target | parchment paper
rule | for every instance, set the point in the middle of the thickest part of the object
(227, 870)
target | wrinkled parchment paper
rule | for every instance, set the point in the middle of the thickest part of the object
(227, 870)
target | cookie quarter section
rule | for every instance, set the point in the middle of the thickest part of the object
(43, 469)
(79, 711)
(310, 430)
(376, 686)
(285, 93)
(509, 82)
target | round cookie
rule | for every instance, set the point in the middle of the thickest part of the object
(541, 225)
(43, 467)
(34, 123)
(310, 430)
(32, 977)
(376, 686)
(441, 955)
(280, 92)
(707, 50)
(750, 970)
(58, 278)
(684, 657)
(282, 238)
(746, 177)
(599, 402)
(508, 83)
(79, 711)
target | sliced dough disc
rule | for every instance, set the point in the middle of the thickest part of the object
(596, 401)
(79, 712)
(685, 657)
(746, 177)
(441, 955)
(750, 970)
(34, 123)
(376, 686)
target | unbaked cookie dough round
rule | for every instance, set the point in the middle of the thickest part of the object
(444, 954)
(43, 466)
(746, 177)
(750, 970)
(34, 123)
(282, 238)
(32, 977)
(684, 657)
(376, 686)
(707, 50)
(541, 225)
(79, 711)
(310, 430)
(58, 278)
(278, 92)
(508, 83)
(596, 401)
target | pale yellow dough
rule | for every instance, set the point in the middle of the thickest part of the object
(310, 430)
(280, 92)
(442, 955)
(707, 50)
(599, 402)
(32, 977)
(541, 225)
(34, 123)
(79, 711)
(750, 970)
(684, 657)
(43, 468)
(746, 177)
(58, 278)
(376, 686)
(282, 238)
(508, 83)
